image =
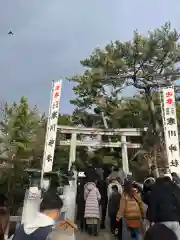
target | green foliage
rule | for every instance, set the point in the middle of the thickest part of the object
(178, 112)
(19, 126)
(19, 130)
(22, 146)
(61, 155)
(132, 113)
(145, 63)
(137, 62)
(64, 120)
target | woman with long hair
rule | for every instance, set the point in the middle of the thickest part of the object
(131, 209)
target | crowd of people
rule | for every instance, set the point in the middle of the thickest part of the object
(150, 211)
(110, 201)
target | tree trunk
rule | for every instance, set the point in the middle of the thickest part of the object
(155, 128)
(152, 113)
(154, 163)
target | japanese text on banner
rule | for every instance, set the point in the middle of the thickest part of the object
(52, 127)
(170, 129)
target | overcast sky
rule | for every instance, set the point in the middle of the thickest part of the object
(52, 36)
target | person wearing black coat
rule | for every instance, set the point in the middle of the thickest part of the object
(175, 178)
(147, 188)
(81, 205)
(102, 186)
(164, 204)
(160, 231)
(113, 207)
(91, 174)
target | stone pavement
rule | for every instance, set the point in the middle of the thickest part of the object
(103, 235)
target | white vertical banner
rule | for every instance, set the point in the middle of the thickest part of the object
(170, 128)
(50, 141)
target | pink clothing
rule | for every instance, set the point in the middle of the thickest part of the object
(92, 198)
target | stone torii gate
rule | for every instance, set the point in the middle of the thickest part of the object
(123, 144)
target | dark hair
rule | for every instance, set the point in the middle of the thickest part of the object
(174, 174)
(148, 184)
(51, 201)
(137, 186)
(163, 180)
(160, 231)
(116, 169)
(115, 188)
(128, 188)
(175, 177)
(3, 200)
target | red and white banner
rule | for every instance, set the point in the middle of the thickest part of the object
(50, 141)
(170, 128)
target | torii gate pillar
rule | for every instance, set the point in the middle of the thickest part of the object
(125, 162)
(71, 190)
(72, 154)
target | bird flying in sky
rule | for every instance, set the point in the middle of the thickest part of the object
(10, 33)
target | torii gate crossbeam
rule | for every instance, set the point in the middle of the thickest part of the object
(123, 144)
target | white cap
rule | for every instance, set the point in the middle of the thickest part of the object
(81, 174)
(149, 179)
